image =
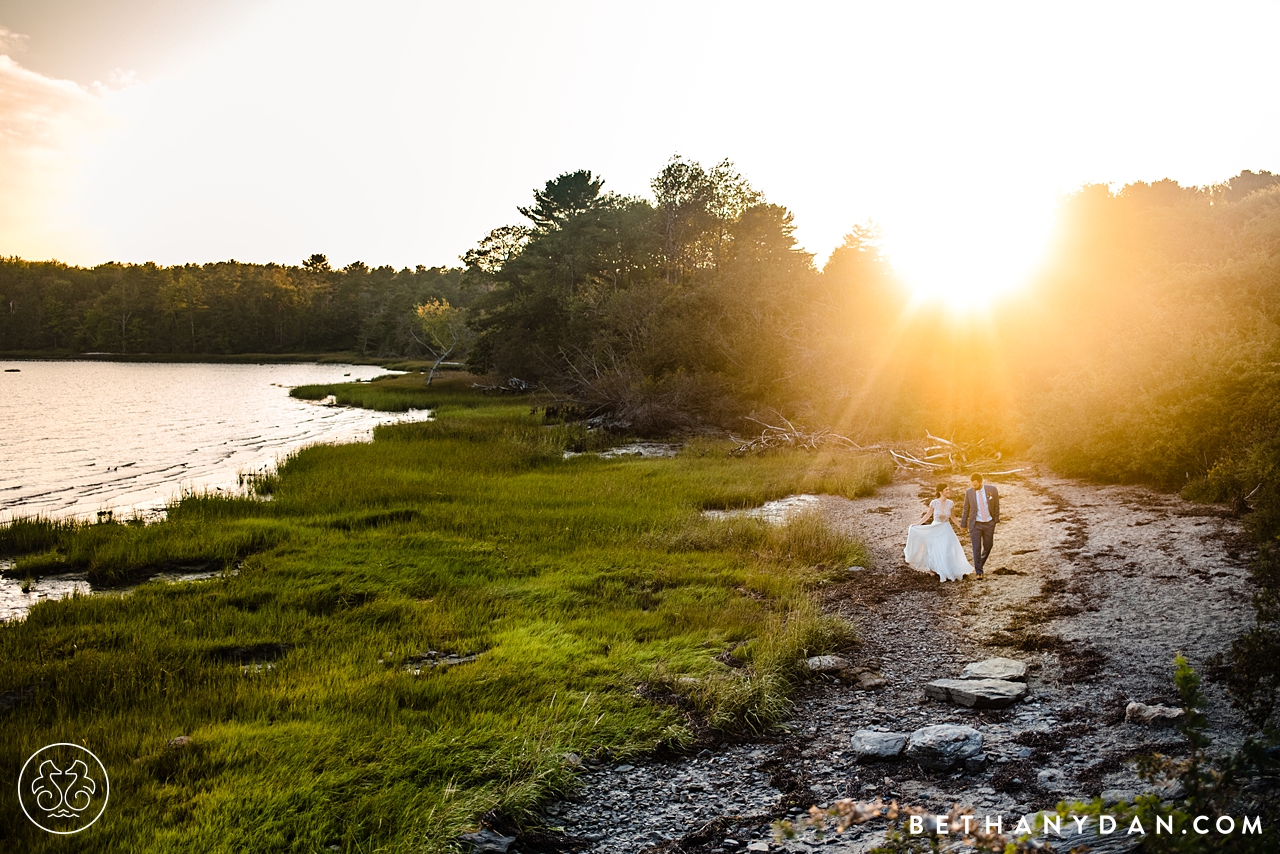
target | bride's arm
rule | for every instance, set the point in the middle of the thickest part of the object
(927, 517)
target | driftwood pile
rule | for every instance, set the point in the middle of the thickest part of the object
(945, 455)
(787, 435)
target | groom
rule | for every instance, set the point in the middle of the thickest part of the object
(981, 513)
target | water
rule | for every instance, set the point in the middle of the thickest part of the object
(773, 512)
(17, 596)
(77, 438)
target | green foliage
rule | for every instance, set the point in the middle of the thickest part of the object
(1199, 785)
(223, 308)
(300, 680)
(699, 306)
(1152, 354)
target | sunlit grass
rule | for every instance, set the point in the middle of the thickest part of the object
(394, 394)
(470, 534)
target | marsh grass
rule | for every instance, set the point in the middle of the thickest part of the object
(467, 534)
(39, 533)
(804, 538)
(754, 699)
(395, 393)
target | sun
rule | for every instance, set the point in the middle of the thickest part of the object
(965, 256)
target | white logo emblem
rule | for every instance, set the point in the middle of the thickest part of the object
(63, 788)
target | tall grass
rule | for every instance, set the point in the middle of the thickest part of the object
(468, 534)
(393, 393)
(37, 533)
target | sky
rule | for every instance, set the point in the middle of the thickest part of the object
(401, 132)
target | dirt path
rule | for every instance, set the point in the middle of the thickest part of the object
(1095, 588)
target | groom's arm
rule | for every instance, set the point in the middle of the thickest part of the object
(995, 506)
(964, 517)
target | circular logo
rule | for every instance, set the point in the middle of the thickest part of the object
(63, 788)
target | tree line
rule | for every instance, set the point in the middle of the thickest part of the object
(219, 309)
(697, 305)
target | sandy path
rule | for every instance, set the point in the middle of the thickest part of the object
(1096, 588)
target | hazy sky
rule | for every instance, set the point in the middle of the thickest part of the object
(400, 132)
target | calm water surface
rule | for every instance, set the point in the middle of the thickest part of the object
(80, 437)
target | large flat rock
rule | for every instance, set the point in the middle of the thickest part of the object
(870, 745)
(828, 664)
(944, 746)
(977, 693)
(1140, 713)
(1008, 669)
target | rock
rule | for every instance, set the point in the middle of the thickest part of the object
(179, 742)
(1140, 713)
(977, 693)
(827, 664)
(976, 763)
(943, 746)
(1117, 796)
(869, 680)
(1073, 839)
(622, 769)
(1007, 669)
(758, 846)
(1052, 780)
(486, 841)
(869, 745)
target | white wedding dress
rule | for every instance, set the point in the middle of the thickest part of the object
(935, 547)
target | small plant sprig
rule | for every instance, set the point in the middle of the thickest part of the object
(901, 839)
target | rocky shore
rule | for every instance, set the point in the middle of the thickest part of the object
(1090, 593)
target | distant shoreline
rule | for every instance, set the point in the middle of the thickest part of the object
(218, 358)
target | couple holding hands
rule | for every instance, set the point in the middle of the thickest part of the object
(932, 545)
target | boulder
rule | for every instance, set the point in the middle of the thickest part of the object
(828, 664)
(1140, 713)
(869, 745)
(1008, 669)
(486, 841)
(943, 746)
(977, 693)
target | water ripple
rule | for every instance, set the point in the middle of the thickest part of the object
(77, 438)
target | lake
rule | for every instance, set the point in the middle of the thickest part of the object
(77, 438)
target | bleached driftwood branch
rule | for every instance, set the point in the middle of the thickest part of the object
(775, 437)
(948, 455)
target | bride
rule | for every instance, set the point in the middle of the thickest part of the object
(935, 547)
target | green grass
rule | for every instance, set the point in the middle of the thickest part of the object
(573, 580)
(395, 394)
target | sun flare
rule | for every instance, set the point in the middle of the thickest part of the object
(966, 259)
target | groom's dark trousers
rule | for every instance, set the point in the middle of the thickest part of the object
(981, 535)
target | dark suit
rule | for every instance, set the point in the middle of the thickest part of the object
(981, 534)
